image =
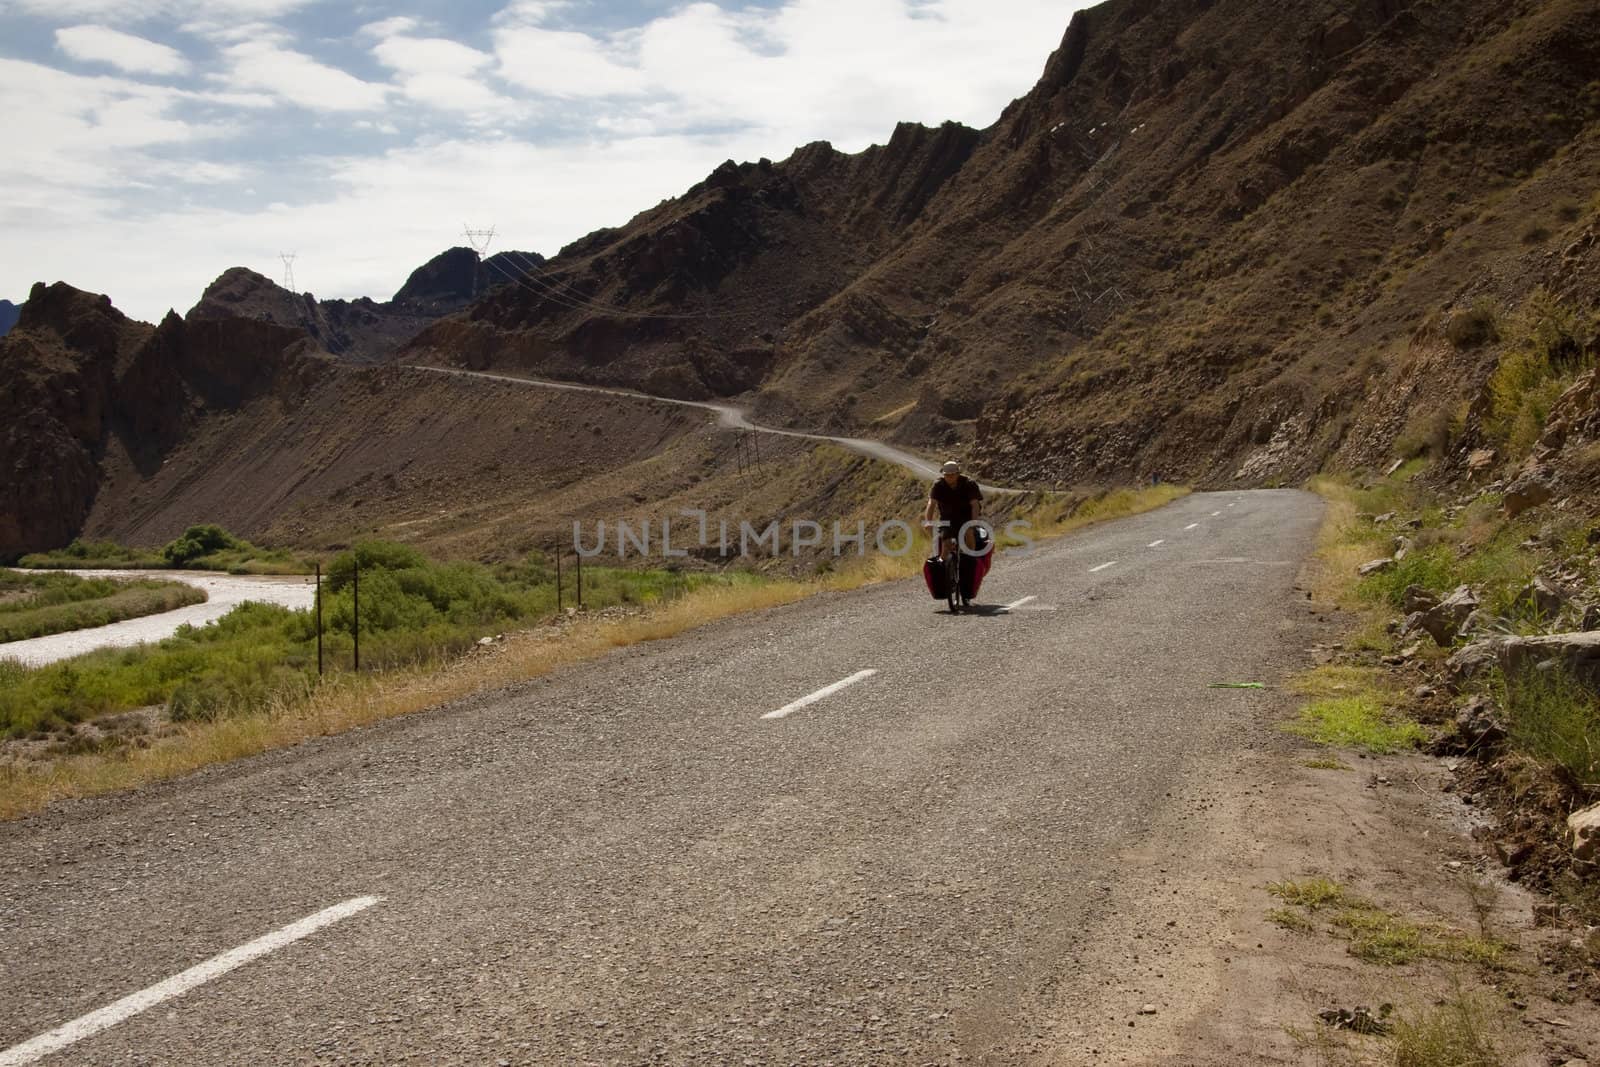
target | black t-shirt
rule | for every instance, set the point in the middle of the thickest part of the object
(955, 501)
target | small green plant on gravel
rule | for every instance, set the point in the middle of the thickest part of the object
(1375, 935)
(1314, 893)
(1291, 920)
(1326, 763)
(1357, 722)
(1458, 1032)
(1555, 719)
(1352, 707)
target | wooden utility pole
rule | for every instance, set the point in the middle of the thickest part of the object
(356, 629)
(319, 618)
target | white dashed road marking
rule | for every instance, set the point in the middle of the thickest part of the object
(1015, 604)
(1102, 566)
(812, 698)
(1214, 514)
(179, 984)
(1157, 544)
(1191, 526)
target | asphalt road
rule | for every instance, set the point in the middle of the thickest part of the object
(631, 862)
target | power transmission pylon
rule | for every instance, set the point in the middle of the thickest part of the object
(478, 239)
(288, 269)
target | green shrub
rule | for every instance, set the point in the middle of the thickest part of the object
(1556, 720)
(1552, 344)
(1476, 325)
(1435, 569)
(199, 541)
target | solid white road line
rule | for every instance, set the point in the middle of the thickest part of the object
(1102, 566)
(1015, 604)
(812, 698)
(179, 984)
(1191, 526)
(1157, 544)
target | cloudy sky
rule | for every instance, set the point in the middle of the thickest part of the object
(150, 144)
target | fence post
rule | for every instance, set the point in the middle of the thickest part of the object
(558, 576)
(755, 445)
(356, 597)
(319, 618)
(578, 562)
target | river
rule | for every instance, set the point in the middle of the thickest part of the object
(225, 592)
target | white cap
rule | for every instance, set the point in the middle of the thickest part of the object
(950, 467)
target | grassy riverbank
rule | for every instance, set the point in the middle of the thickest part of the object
(200, 548)
(37, 605)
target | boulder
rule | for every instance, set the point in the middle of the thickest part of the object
(1387, 516)
(1576, 653)
(1471, 662)
(1402, 548)
(1531, 488)
(1377, 566)
(1419, 599)
(1444, 621)
(1480, 461)
(1584, 825)
(1542, 598)
(1479, 723)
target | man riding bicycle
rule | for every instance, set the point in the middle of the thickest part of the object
(956, 499)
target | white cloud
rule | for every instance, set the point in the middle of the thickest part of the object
(445, 75)
(838, 70)
(299, 79)
(131, 11)
(71, 132)
(390, 27)
(430, 55)
(530, 12)
(101, 44)
(564, 64)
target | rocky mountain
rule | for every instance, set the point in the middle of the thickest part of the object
(364, 330)
(1218, 238)
(86, 384)
(8, 316)
(97, 401)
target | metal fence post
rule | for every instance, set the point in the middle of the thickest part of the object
(558, 577)
(319, 618)
(356, 596)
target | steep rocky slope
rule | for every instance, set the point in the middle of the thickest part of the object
(1209, 241)
(365, 330)
(8, 316)
(83, 378)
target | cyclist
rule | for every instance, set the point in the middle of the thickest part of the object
(956, 500)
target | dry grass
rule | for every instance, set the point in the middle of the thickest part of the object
(1339, 553)
(345, 702)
